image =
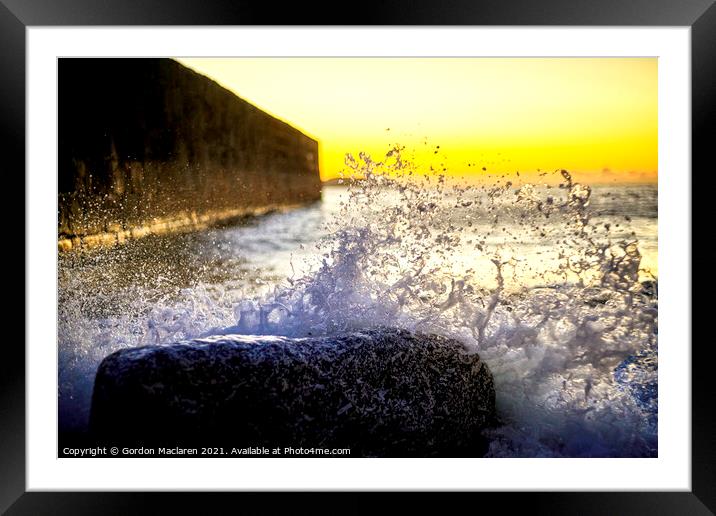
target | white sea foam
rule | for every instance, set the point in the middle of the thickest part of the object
(551, 291)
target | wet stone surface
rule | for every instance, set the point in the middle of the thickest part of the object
(381, 392)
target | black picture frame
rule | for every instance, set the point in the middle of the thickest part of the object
(16, 15)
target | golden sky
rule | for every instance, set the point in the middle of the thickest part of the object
(596, 117)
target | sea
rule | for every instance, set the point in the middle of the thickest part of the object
(554, 283)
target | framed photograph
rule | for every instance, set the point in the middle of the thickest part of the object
(419, 253)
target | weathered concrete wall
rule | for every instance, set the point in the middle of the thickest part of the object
(149, 146)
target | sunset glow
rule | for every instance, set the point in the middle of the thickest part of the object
(596, 117)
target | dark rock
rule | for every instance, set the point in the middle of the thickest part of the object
(383, 392)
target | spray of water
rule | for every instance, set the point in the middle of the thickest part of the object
(559, 308)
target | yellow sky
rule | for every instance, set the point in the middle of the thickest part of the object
(594, 116)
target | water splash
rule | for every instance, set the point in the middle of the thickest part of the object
(546, 289)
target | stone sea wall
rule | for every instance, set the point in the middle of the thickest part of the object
(149, 146)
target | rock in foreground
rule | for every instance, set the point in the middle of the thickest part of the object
(379, 392)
